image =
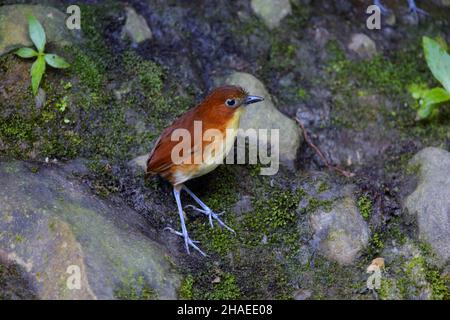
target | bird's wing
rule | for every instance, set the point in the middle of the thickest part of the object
(160, 158)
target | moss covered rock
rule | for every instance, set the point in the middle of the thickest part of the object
(14, 26)
(70, 244)
(430, 202)
(341, 234)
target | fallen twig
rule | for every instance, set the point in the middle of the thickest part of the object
(345, 173)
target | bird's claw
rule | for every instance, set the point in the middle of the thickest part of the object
(382, 8)
(212, 215)
(195, 208)
(187, 241)
(416, 10)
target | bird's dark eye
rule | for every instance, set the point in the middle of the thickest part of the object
(230, 102)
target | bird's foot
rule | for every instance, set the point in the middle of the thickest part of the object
(187, 241)
(415, 10)
(211, 215)
(383, 9)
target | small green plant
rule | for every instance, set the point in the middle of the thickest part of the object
(438, 61)
(365, 206)
(37, 35)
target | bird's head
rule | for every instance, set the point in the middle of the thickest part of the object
(230, 98)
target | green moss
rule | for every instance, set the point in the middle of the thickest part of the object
(273, 217)
(222, 188)
(282, 54)
(89, 71)
(365, 206)
(151, 84)
(226, 289)
(299, 17)
(409, 279)
(52, 226)
(16, 129)
(323, 187)
(440, 284)
(387, 289)
(329, 274)
(271, 226)
(186, 288)
(395, 232)
(351, 81)
(390, 76)
(377, 242)
(376, 82)
(135, 288)
(413, 169)
(19, 238)
(315, 204)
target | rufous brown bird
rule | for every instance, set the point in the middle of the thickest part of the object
(219, 112)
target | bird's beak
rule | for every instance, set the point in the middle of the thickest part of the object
(252, 99)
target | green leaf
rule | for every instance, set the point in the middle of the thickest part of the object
(438, 61)
(37, 33)
(430, 100)
(418, 90)
(26, 53)
(37, 71)
(56, 61)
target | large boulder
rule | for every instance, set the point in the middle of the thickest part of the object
(59, 235)
(342, 233)
(14, 26)
(430, 201)
(271, 11)
(264, 115)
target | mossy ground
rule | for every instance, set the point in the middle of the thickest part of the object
(81, 115)
(416, 276)
(388, 79)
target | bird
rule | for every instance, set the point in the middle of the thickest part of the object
(221, 111)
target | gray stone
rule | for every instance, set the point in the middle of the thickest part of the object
(321, 36)
(51, 227)
(443, 3)
(430, 201)
(271, 11)
(264, 115)
(244, 205)
(362, 45)
(136, 28)
(139, 163)
(14, 26)
(341, 234)
(302, 294)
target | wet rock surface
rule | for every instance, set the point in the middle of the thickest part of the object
(136, 28)
(57, 234)
(430, 201)
(341, 233)
(14, 30)
(272, 12)
(362, 45)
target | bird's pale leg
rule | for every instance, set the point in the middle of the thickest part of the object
(206, 210)
(414, 9)
(383, 9)
(188, 242)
